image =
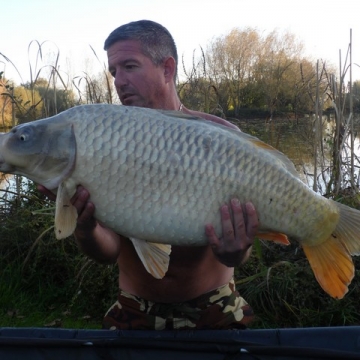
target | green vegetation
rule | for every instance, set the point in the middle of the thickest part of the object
(280, 285)
(45, 282)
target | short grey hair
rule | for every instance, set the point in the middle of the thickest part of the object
(155, 40)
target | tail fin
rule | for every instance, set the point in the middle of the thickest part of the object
(347, 231)
(332, 266)
(331, 260)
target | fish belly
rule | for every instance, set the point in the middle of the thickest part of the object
(161, 178)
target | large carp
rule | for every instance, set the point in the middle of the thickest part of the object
(160, 176)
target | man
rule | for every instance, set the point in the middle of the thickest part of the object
(198, 290)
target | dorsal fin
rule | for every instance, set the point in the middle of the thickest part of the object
(180, 115)
(282, 158)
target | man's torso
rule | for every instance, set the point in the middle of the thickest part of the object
(192, 272)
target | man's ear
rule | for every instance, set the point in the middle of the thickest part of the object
(169, 68)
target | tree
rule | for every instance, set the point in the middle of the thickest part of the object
(6, 104)
(244, 70)
(197, 91)
(277, 71)
(230, 60)
(27, 104)
(54, 99)
(252, 71)
(95, 89)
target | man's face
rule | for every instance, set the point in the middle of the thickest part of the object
(137, 80)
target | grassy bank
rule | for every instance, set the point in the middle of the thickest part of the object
(46, 282)
(280, 285)
(43, 281)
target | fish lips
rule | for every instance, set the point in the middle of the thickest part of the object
(5, 167)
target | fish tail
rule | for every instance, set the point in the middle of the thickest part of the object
(332, 266)
(347, 230)
(331, 260)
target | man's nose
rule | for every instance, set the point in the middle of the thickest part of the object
(120, 79)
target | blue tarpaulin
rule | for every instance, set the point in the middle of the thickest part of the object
(68, 344)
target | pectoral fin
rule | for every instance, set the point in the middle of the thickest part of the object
(155, 257)
(65, 213)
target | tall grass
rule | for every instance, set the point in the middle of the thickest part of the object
(285, 293)
(43, 278)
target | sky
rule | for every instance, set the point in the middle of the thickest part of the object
(75, 26)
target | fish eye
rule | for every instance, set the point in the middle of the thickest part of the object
(24, 134)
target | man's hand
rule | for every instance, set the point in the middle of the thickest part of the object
(86, 222)
(239, 226)
(96, 241)
(46, 192)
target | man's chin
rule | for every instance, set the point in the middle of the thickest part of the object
(133, 102)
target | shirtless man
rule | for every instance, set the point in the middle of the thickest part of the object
(198, 290)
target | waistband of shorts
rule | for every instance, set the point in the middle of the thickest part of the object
(200, 298)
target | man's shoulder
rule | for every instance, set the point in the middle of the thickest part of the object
(213, 118)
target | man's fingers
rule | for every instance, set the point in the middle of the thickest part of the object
(240, 218)
(46, 192)
(252, 221)
(84, 208)
(80, 198)
(227, 224)
(86, 214)
(212, 237)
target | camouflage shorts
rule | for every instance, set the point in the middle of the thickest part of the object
(222, 308)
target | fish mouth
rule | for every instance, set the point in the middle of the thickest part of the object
(6, 168)
(2, 160)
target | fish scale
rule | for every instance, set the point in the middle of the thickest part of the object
(161, 176)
